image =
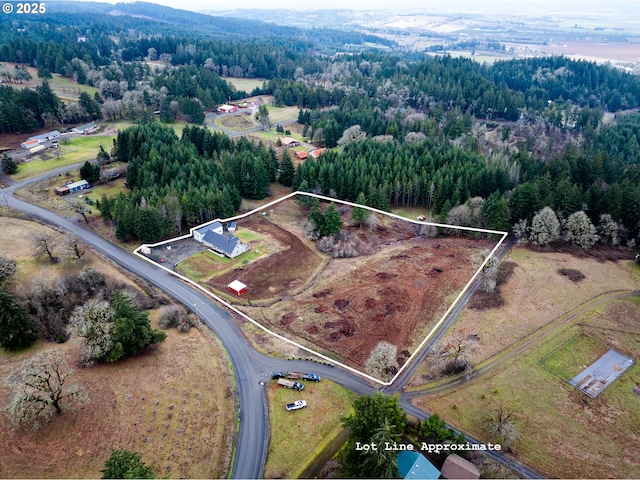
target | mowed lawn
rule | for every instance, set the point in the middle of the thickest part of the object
(297, 437)
(558, 424)
(245, 84)
(570, 359)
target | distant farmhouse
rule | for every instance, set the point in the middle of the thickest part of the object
(289, 142)
(72, 187)
(317, 152)
(226, 108)
(215, 237)
(86, 128)
(38, 139)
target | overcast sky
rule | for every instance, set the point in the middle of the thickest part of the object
(625, 7)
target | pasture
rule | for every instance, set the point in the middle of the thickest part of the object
(558, 423)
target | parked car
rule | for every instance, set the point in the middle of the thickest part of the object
(311, 377)
(277, 375)
(289, 384)
(298, 404)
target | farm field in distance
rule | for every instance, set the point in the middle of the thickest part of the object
(396, 290)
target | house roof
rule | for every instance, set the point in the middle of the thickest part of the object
(317, 152)
(81, 183)
(86, 126)
(207, 228)
(413, 465)
(237, 286)
(223, 243)
(44, 136)
(457, 467)
(302, 155)
(286, 141)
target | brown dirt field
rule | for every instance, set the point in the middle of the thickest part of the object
(627, 52)
(396, 294)
(275, 274)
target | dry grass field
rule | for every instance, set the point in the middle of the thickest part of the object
(315, 426)
(563, 433)
(174, 403)
(536, 294)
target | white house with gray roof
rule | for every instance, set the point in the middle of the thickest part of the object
(217, 239)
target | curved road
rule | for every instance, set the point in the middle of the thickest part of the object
(251, 368)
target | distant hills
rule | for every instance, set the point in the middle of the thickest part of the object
(212, 25)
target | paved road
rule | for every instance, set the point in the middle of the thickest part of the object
(251, 368)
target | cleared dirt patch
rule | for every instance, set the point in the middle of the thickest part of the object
(276, 274)
(396, 294)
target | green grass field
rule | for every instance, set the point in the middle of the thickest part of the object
(71, 151)
(65, 88)
(297, 437)
(570, 359)
(281, 114)
(203, 266)
(246, 84)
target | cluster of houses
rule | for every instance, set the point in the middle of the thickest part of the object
(52, 136)
(289, 142)
(413, 465)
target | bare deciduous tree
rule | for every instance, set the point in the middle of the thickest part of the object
(73, 247)
(78, 207)
(93, 322)
(500, 425)
(520, 230)
(43, 390)
(609, 229)
(453, 355)
(545, 227)
(352, 134)
(44, 244)
(580, 231)
(7, 267)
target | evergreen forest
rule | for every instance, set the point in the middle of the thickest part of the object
(401, 129)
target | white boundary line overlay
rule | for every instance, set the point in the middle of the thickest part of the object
(302, 347)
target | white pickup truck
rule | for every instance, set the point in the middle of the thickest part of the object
(296, 405)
